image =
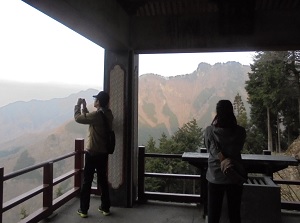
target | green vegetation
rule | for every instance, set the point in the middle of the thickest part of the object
(25, 160)
(240, 111)
(188, 138)
(23, 213)
(149, 109)
(146, 131)
(203, 98)
(274, 95)
(4, 153)
(58, 191)
(172, 117)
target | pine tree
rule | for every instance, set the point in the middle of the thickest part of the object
(187, 138)
(240, 111)
(266, 92)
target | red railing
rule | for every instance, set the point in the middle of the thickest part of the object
(49, 204)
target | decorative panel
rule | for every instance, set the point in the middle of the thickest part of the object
(115, 164)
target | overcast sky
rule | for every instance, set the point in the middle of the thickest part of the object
(36, 48)
(177, 64)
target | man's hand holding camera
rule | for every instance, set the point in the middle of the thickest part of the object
(81, 101)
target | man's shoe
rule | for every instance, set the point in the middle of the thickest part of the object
(82, 214)
(104, 212)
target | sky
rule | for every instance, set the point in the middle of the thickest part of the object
(36, 48)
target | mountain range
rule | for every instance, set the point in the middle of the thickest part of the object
(38, 130)
(46, 129)
(165, 104)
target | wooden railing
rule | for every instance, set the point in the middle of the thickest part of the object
(289, 205)
(195, 198)
(49, 204)
(149, 195)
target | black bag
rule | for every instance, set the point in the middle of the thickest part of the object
(111, 141)
(110, 136)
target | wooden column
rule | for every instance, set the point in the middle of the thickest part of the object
(121, 81)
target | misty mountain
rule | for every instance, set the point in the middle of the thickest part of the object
(12, 91)
(165, 104)
(20, 118)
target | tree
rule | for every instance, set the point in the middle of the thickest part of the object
(265, 89)
(58, 191)
(190, 136)
(293, 85)
(187, 138)
(256, 141)
(240, 111)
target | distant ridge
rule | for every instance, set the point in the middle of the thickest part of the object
(12, 91)
(35, 116)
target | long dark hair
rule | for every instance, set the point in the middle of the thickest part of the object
(225, 117)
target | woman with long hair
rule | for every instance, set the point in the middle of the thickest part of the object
(224, 132)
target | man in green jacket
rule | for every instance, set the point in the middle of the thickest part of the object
(96, 156)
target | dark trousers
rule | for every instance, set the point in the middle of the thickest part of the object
(92, 163)
(216, 193)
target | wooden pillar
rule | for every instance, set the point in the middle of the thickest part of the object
(121, 81)
(79, 161)
(48, 182)
(141, 174)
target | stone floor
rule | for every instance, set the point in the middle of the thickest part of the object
(151, 212)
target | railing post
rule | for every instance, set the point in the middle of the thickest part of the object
(1, 192)
(48, 183)
(268, 170)
(79, 161)
(203, 150)
(141, 174)
(266, 152)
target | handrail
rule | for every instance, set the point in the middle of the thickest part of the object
(160, 155)
(35, 167)
(49, 205)
(149, 195)
(289, 182)
(144, 195)
(289, 205)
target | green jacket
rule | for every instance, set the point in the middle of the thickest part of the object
(97, 130)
